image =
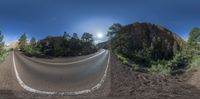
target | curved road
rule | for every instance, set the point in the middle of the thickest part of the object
(75, 74)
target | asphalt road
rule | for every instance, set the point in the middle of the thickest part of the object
(62, 75)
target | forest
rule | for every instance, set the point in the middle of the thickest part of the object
(58, 46)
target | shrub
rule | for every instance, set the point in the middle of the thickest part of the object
(31, 51)
(160, 68)
(195, 62)
(123, 59)
(3, 54)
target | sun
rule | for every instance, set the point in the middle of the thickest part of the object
(99, 35)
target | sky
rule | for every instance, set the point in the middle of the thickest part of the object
(40, 18)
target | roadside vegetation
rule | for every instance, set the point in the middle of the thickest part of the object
(3, 50)
(58, 46)
(152, 48)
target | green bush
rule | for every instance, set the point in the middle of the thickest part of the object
(123, 59)
(135, 67)
(31, 51)
(195, 63)
(3, 54)
(160, 68)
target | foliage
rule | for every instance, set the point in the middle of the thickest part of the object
(23, 42)
(138, 43)
(195, 62)
(33, 41)
(1, 41)
(194, 36)
(123, 59)
(87, 37)
(3, 51)
(160, 68)
(163, 52)
(180, 62)
(59, 45)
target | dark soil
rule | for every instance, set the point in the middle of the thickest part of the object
(127, 83)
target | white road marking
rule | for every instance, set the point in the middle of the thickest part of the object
(26, 87)
(68, 62)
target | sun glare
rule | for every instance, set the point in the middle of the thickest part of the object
(99, 35)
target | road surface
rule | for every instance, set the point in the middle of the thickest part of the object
(57, 75)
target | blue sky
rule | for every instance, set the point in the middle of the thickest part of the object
(40, 18)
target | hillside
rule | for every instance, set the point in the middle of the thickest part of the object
(103, 45)
(146, 32)
(144, 43)
(13, 45)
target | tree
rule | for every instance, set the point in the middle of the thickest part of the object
(65, 44)
(33, 41)
(75, 45)
(87, 43)
(87, 37)
(115, 28)
(23, 42)
(75, 36)
(66, 36)
(58, 45)
(1, 41)
(116, 37)
(194, 36)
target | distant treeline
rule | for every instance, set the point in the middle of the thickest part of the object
(56, 46)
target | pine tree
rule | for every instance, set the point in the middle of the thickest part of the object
(33, 41)
(194, 36)
(1, 41)
(75, 36)
(23, 42)
(66, 36)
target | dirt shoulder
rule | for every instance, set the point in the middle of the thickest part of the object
(125, 83)
(9, 86)
(195, 79)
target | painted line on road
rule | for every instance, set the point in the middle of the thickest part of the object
(27, 88)
(68, 62)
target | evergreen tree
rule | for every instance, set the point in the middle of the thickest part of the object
(75, 36)
(23, 42)
(193, 36)
(66, 36)
(33, 41)
(87, 37)
(1, 41)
